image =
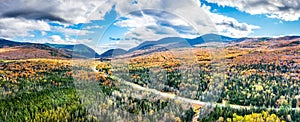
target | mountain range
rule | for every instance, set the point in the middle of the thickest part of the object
(166, 44)
(22, 50)
(177, 42)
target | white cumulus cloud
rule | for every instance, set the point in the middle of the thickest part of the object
(288, 10)
(229, 26)
(13, 27)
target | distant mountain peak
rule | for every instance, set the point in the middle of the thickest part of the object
(49, 50)
(113, 52)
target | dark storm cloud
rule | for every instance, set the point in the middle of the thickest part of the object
(64, 11)
(32, 14)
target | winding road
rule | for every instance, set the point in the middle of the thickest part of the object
(186, 100)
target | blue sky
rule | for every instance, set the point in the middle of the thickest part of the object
(103, 25)
(268, 26)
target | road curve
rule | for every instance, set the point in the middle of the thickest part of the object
(187, 100)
